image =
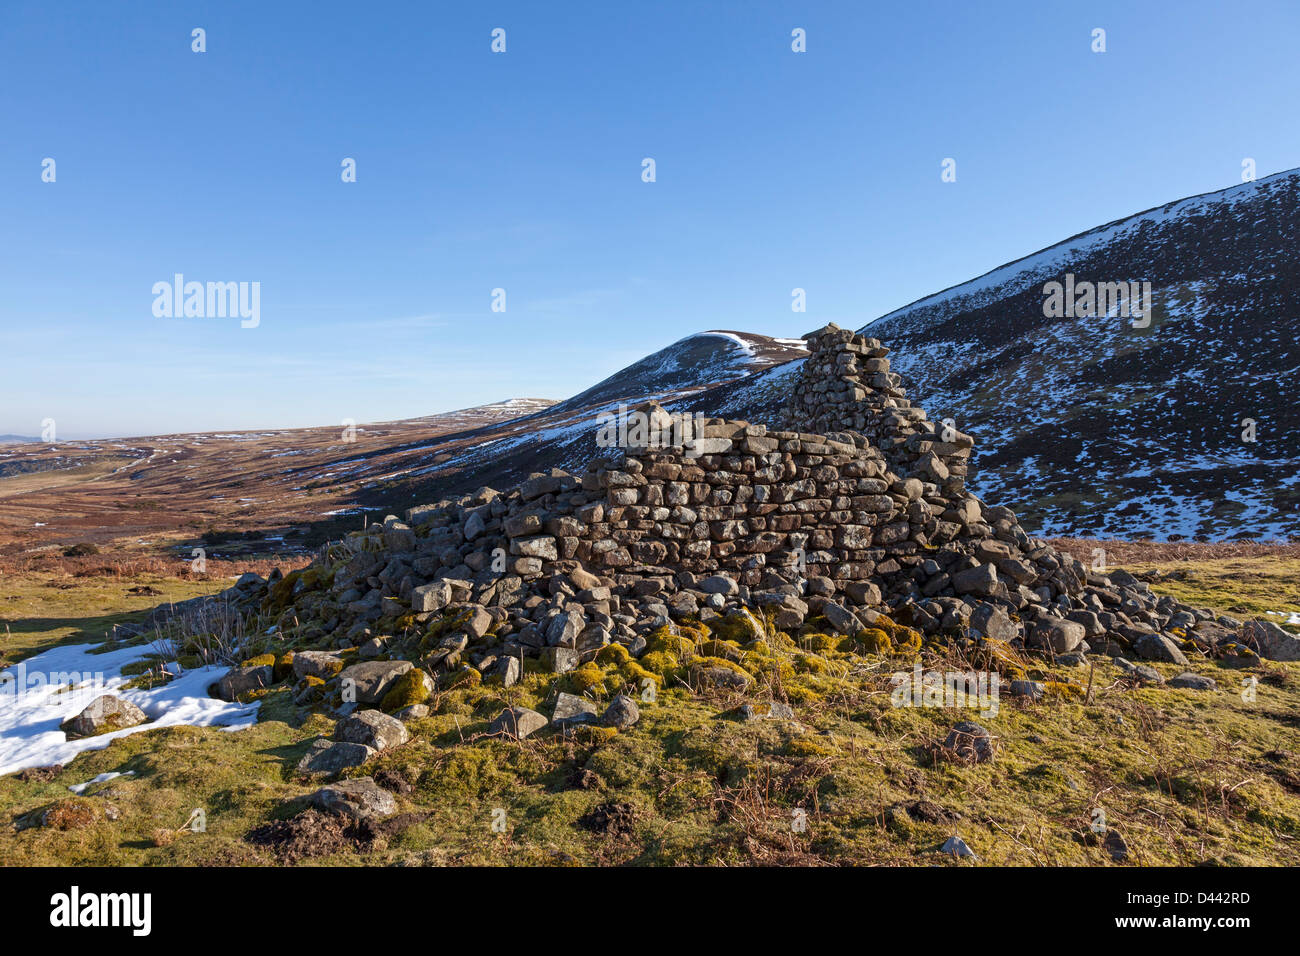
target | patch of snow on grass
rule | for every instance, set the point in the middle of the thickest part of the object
(40, 693)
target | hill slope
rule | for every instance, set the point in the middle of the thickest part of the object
(282, 490)
(1091, 426)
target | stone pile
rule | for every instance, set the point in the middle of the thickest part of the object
(846, 384)
(871, 517)
(855, 521)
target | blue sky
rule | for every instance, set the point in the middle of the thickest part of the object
(522, 171)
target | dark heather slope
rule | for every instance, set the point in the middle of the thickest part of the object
(690, 365)
(1089, 426)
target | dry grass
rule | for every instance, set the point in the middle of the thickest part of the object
(122, 566)
(1164, 552)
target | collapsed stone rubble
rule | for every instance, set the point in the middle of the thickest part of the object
(849, 516)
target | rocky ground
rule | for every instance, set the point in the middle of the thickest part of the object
(752, 645)
(1183, 776)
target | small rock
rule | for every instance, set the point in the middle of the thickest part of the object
(1142, 672)
(864, 593)
(843, 621)
(1157, 647)
(1190, 681)
(560, 660)
(1032, 689)
(372, 728)
(956, 846)
(104, 715)
(993, 622)
(371, 680)
(431, 597)
(622, 713)
(981, 580)
(723, 677)
(570, 710)
(320, 664)
(478, 622)
(517, 722)
(326, 757)
(971, 742)
(1060, 635)
(564, 628)
(718, 584)
(361, 799)
(241, 680)
(1114, 845)
(1270, 641)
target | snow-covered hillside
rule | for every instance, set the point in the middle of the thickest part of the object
(1091, 426)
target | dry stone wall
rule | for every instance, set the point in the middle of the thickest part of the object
(763, 507)
(852, 513)
(846, 384)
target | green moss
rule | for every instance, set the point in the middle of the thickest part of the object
(717, 648)
(739, 626)
(142, 666)
(875, 640)
(724, 664)
(615, 654)
(460, 679)
(283, 667)
(408, 689)
(317, 577)
(811, 664)
(633, 673)
(261, 660)
(1185, 777)
(586, 679)
(659, 662)
(663, 640)
(822, 643)
(281, 595)
(806, 747)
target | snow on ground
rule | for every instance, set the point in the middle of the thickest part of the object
(38, 694)
(80, 788)
(745, 346)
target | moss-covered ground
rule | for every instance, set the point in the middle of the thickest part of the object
(1185, 777)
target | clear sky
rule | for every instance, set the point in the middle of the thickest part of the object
(523, 171)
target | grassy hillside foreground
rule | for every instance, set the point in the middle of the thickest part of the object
(1179, 777)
